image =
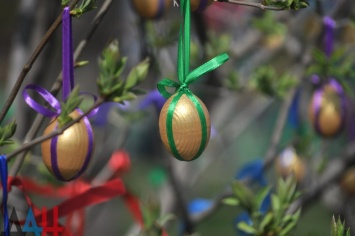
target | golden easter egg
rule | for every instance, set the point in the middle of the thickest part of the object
(151, 9)
(347, 182)
(329, 121)
(200, 5)
(184, 131)
(67, 155)
(289, 163)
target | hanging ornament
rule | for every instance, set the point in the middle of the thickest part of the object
(151, 9)
(67, 155)
(289, 163)
(347, 182)
(327, 110)
(184, 122)
(185, 119)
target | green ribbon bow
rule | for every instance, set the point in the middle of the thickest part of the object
(185, 78)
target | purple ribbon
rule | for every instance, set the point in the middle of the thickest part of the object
(329, 24)
(317, 104)
(67, 86)
(67, 54)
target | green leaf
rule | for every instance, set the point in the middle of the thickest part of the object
(85, 6)
(267, 220)
(244, 196)
(246, 228)
(261, 195)
(71, 103)
(275, 203)
(137, 74)
(7, 132)
(231, 201)
(165, 219)
(334, 228)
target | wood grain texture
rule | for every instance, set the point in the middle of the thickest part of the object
(187, 128)
(72, 148)
(148, 9)
(330, 120)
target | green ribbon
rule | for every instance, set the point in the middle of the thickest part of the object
(185, 78)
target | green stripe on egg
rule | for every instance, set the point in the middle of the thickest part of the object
(184, 125)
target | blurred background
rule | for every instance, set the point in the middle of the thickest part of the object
(262, 45)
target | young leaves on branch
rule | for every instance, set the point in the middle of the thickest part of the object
(266, 81)
(67, 107)
(338, 228)
(263, 220)
(6, 133)
(153, 222)
(85, 6)
(111, 86)
(338, 65)
(287, 4)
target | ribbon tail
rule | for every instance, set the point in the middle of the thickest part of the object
(4, 176)
(207, 67)
(167, 83)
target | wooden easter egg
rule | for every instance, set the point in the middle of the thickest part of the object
(183, 129)
(347, 182)
(200, 5)
(151, 9)
(327, 112)
(67, 155)
(289, 163)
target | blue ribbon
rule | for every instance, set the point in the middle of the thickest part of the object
(3, 173)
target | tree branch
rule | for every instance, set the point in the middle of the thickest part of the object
(253, 4)
(56, 132)
(27, 67)
(58, 83)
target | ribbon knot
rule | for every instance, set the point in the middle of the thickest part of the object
(192, 76)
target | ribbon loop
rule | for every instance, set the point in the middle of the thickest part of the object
(4, 176)
(167, 83)
(206, 67)
(47, 96)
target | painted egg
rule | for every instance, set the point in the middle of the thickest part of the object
(289, 163)
(327, 110)
(200, 5)
(67, 155)
(151, 9)
(347, 182)
(183, 129)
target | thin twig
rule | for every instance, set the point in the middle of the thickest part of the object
(31, 134)
(269, 158)
(277, 133)
(30, 63)
(188, 225)
(253, 4)
(335, 170)
(56, 132)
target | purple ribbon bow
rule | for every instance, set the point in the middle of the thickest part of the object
(67, 86)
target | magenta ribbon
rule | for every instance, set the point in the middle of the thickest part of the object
(317, 104)
(67, 86)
